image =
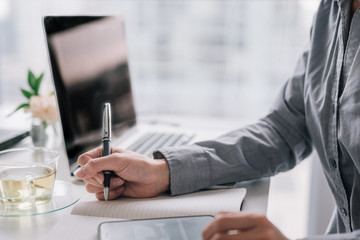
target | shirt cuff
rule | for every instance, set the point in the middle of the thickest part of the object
(188, 166)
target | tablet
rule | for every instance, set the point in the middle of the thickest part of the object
(179, 228)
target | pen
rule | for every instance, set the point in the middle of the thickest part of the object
(106, 140)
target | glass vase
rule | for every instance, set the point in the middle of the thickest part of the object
(39, 133)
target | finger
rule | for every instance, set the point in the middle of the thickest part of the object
(224, 235)
(94, 153)
(259, 232)
(94, 189)
(239, 220)
(112, 194)
(264, 230)
(238, 236)
(98, 179)
(92, 181)
(228, 221)
(113, 162)
(251, 234)
(115, 182)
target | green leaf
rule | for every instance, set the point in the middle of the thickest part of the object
(31, 80)
(24, 105)
(37, 84)
(54, 128)
(27, 94)
(44, 123)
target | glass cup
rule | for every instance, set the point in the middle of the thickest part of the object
(27, 177)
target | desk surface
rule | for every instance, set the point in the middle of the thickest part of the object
(35, 227)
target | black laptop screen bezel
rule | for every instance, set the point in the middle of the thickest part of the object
(56, 24)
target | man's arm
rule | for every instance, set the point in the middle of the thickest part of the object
(275, 144)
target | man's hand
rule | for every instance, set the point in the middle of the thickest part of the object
(136, 174)
(238, 225)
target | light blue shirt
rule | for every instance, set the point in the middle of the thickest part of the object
(318, 107)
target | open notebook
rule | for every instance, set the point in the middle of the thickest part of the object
(89, 213)
(207, 202)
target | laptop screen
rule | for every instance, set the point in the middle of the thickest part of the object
(89, 64)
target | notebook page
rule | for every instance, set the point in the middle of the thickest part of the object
(207, 202)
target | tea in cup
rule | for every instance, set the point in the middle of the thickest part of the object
(27, 177)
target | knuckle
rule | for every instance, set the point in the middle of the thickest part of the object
(92, 164)
(117, 155)
(220, 216)
(221, 220)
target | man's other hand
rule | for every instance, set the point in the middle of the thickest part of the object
(239, 225)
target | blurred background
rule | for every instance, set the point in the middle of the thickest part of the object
(212, 58)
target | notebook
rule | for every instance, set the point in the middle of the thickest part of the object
(205, 202)
(89, 65)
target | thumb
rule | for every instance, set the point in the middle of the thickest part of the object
(96, 165)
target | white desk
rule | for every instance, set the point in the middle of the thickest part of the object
(35, 227)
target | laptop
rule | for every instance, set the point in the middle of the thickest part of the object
(89, 65)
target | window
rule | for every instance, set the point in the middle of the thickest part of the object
(219, 58)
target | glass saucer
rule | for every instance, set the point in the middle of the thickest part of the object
(64, 196)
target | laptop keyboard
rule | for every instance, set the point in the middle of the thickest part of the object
(155, 140)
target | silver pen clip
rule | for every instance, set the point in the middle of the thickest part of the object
(106, 135)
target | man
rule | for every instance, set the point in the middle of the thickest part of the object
(318, 106)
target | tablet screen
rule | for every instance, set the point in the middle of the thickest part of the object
(180, 228)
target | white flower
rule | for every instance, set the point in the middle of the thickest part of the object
(44, 107)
